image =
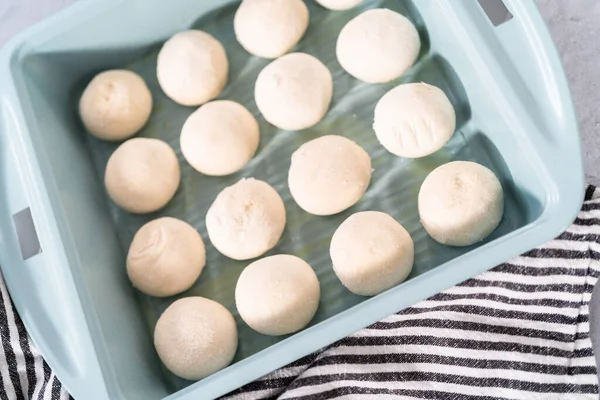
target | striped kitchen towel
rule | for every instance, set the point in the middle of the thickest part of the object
(519, 331)
(24, 374)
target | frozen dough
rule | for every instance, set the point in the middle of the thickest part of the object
(371, 252)
(270, 28)
(378, 46)
(219, 138)
(461, 203)
(115, 105)
(277, 295)
(192, 68)
(246, 219)
(165, 257)
(195, 337)
(339, 4)
(142, 175)
(294, 91)
(414, 120)
(329, 174)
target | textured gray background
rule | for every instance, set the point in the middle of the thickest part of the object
(575, 27)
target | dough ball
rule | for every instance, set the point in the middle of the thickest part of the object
(142, 175)
(329, 174)
(378, 46)
(461, 203)
(195, 337)
(339, 4)
(414, 120)
(219, 138)
(246, 219)
(270, 28)
(371, 253)
(115, 105)
(192, 68)
(277, 295)
(294, 91)
(166, 257)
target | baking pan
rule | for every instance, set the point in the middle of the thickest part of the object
(63, 242)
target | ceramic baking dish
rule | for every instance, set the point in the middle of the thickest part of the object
(63, 243)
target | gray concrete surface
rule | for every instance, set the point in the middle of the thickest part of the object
(574, 25)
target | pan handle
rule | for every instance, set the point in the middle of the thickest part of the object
(33, 259)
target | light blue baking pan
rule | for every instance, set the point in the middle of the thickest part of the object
(63, 243)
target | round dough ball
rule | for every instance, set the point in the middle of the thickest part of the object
(115, 105)
(166, 257)
(294, 91)
(378, 46)
(339, 4)
(219, 138)
(195, 337)
(142, 175)
(270, 28)
(414, 120)
(246, 219)
(277, 295)
(371, 252)
(461, 203)
(192, 68)
(329, 174)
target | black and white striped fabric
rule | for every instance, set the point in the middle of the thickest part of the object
(24, 374)
(519, 331)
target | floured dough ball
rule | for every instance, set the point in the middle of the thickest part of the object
(195, 337)
(329, 174)
(371, 252)
(246, 219)
(277, 295)
(294, 91)
(142, 175)
(166, 257)
(270, 28)
(115, 105)
(378, 46)
(461, 203)
(339, 4)
(219, 138)
(414, 120)
(192, 68)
